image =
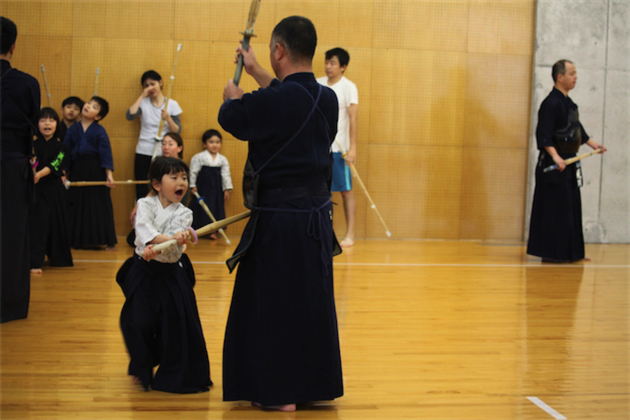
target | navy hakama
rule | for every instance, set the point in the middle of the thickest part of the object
(281, 340)
(49, 225)
(555, 230)
(161, 326)
(210, 188)
(91, 211)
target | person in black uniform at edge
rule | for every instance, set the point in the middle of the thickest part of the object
(555, 232)
(281, 340)
(19, 110)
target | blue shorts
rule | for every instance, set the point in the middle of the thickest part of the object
(342, 176)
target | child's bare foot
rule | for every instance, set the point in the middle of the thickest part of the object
(287, 408)
(36, 271)
(213, 236)
(110, 249)
(347, 242)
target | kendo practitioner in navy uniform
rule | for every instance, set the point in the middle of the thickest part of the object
(555, 232)
(281, 341)
(19, 110)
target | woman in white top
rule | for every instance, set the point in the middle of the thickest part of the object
(150, 107)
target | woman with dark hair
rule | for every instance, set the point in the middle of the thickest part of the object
(150, 107)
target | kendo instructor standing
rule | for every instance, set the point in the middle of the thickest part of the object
(19, 113)
(281, 341)
(555, 232)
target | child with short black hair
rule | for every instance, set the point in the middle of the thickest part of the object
(337, 60)
(91, 211)
(70, 113)
(210, 177)
(160, 320)
(48, 219)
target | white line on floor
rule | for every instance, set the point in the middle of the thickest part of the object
(553, 413)
(532, 265)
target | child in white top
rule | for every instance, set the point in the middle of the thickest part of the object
(337, 60)
(172, 146)
(210, 177)
(160, 320)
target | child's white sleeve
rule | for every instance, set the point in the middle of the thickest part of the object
(226, 177)
(145, 227)
(195, 167)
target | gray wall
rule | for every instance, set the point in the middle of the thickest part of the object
(595, 35)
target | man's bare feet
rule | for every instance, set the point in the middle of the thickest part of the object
(36, 271)
(347, 242)
(287, 408)
(554, 261)
(111, 249)
(137, 382)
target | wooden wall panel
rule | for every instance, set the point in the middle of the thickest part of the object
(491, 198)
(416, 189)
(444, 90)
(324, 15)
(356, 24)
(153, 19)
(55, 55)
(501, 27)
(192, 86)
(497, 100)
(421, 25)
(41, 18)
(193, 17)
(417, 97)
(89, 18)
(209, 21)
(88, 54)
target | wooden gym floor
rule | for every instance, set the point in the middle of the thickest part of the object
(428, 329)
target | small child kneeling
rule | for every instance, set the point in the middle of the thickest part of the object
(160, 320)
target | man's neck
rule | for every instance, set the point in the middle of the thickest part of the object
(6, 57)
(295, 69)
(333, 80)
(561, 89)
